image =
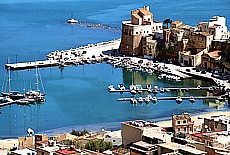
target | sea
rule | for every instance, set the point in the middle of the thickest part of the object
(77, 97)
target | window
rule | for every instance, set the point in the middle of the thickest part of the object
(136, 32)
(114, 141)
(184, 121)
(184, 129)
(190, 128)
(178, 122)
(178, 129)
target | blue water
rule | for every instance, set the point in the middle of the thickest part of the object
(77, 97)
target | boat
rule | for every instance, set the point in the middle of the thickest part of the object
(192, 99)
(154, 100)
(179, 100)
(162, 90)
(140, 100)
(72, 20)
(133, 92)
(148, 98)
(14, 95)
(121, 87)
(133, 101)
(111, 88)
(5, 99)
(154, 91)
(36, 94)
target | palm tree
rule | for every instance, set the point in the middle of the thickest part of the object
(167, 21)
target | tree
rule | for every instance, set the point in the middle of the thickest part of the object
(98, 145)
(167, 21)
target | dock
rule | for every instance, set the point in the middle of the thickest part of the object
(174, 98)
(158, 90)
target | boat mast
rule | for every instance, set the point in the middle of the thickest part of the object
(36, 83)
(8, 81)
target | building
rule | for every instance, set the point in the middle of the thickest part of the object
(216, 123)
(114, 137)
(142, 148)
(133, 131)
(216, 27)
(150, 51)
(182, 123)
(141, 25)
(210, 61)
(24, 152)
(172, 148)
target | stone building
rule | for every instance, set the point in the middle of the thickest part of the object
(182, 123)
(150, 47)
(133, 31)
(216, 123)
(211, 60)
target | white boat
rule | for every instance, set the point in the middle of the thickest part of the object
(162, 90)
(140, 99)
(192, 99)
(179, 100)
(154, 91)
(5, 99)
(133, 101)
(121, 87)
(72, 20)
(111, 88)
(154, 99)
(36, 94)
(133, 92)
(14, 95)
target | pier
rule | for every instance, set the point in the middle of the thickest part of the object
(70, 56)
(113, 90)
(174, 98)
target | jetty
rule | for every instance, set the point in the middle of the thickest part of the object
(113, 90)
(174, 98)
(71, 56)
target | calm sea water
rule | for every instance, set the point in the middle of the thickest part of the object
(77, 97)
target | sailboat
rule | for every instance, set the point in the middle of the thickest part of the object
(36, 94)
(14, 95)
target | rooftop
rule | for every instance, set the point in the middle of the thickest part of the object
(141, 124)
(176, 146)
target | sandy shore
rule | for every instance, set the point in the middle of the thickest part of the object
(8, 143)
(198, 119)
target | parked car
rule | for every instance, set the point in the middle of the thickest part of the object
(203, 72)
(187, 70)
